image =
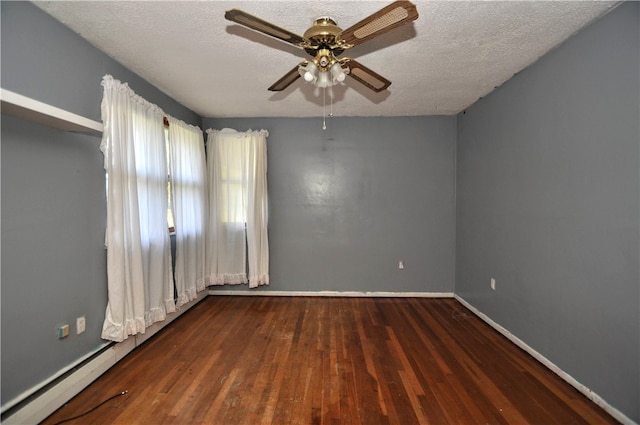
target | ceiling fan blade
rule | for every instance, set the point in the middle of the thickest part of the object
(257, 24)
(364, 75)
(286, 80)
(392, 16)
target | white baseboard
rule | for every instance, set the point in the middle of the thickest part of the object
(615, 413)
(57, 395)
(254, 292)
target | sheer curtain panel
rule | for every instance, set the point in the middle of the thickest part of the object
(188, 195)
(140, 285)
(237, 243)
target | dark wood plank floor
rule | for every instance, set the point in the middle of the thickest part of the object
(272, 360)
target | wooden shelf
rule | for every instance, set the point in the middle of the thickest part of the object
(33, 110)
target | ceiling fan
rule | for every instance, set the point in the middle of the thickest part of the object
(324, 41)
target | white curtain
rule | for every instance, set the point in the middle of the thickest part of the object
(237, 246)
(188, 192)
(140, 286)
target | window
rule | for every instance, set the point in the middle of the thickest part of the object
(186, 209)
(237, 247)
(232, 195)
(140, 286)
(170, 222)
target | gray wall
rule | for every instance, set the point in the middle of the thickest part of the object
(547, 204)
(53, 202)
(346, 204)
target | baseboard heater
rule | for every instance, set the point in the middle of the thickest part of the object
(37, 404)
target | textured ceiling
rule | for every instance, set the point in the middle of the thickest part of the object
(455, 53)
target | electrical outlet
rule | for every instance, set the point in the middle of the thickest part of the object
(401, 264)
(80, 325)
(493, 284)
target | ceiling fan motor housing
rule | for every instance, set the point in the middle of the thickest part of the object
(323, 35)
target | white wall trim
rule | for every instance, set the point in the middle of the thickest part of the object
(373, 294)
(615, 413)
(55, 397)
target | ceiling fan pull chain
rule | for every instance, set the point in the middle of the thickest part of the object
(331, 102)
(324, 110)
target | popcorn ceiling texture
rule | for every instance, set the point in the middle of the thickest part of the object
(455, 53)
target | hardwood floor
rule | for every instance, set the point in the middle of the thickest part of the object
(299, 360)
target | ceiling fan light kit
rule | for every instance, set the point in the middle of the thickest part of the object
(325, 41)
(323, 76)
